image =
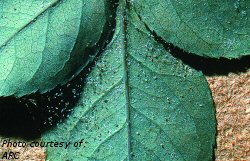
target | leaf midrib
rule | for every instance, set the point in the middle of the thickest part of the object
(123, 18)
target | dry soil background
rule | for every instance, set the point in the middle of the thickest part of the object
(232, 99)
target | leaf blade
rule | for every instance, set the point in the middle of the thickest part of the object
(206, 28)
(128, 110)
(42, 51)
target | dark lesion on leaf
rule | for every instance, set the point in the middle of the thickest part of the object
(30, 116)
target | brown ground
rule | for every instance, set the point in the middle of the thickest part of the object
(26, 154)
(232, 99)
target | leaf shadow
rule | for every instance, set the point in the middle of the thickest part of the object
(209, 66)
(29, 116)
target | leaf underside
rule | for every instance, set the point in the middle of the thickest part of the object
(139, 103)
(206, 28)
(43, 43)
(42, 46)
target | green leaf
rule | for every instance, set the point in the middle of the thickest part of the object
(206, 28)
(139, 103)
(44, 43)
